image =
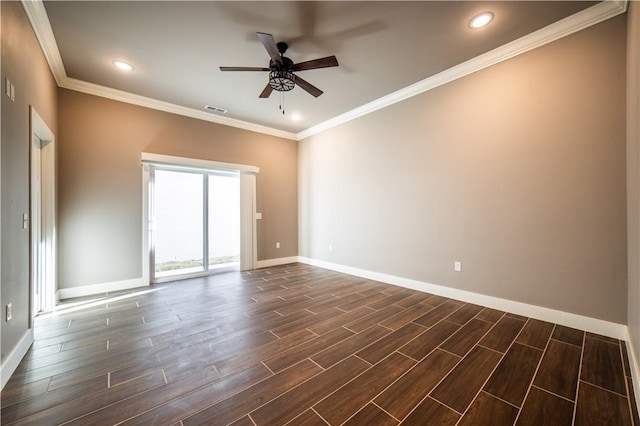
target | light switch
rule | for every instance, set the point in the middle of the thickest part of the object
(258, 215)
(9, 89)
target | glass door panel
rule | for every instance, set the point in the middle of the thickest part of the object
(179, 221)
(224, 221)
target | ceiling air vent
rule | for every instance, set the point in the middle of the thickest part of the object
(215, 109)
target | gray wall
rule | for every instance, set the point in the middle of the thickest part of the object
(633, 172)
(100, 182)
(517, 171)
(24, 64)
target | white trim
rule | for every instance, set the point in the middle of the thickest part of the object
(146, 227)
(39, 20)
(605, 328)
(248, 225)
(93, 289)
(569, 25)
(44, 246)
(276, 262)
(195, 163)
(595, 14)
(634, 366)
(12, 360)
(130, 98)
(39, 127)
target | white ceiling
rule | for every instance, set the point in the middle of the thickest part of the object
(176, 48)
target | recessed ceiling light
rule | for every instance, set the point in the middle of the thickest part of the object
(296, 117)
(123, 65)
(481, 20)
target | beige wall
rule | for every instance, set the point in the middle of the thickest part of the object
(23, 63)
(633, 173)
(517, 171)
(100, 182)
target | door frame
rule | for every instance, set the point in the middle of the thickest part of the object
(42, 215)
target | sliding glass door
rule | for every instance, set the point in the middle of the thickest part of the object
(196, 222)
(178, 216)
(223, 220)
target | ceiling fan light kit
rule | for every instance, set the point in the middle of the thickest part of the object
(282, 80)
(281, 69)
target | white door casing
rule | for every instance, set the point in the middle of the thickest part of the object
(42, 215)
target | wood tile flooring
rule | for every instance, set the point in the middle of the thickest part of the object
(301, 345)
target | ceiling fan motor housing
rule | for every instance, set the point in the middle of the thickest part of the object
(287, 64)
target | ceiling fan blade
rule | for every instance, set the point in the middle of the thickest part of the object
(269, 43)
(243, 69)
(329, 61)
(310, 88)
(267, 91)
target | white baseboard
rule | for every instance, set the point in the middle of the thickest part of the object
(605, 328)
(276, 262)
(91, 290)
(94, 289)
(634, 365)
(12, 361)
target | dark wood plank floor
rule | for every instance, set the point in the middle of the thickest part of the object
(301, 345)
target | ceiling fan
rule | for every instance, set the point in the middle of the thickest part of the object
(281, 69)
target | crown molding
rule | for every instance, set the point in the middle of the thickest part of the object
(595, 14)
(130, 98)
(569, 25)
(39, 20)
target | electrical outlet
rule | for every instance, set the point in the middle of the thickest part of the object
(9, 312)
(278, 244)
(457, 266)
(330, 247)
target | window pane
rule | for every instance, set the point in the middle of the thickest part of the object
(224, 220)
(178, 222)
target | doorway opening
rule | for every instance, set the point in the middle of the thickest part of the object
(42, 216)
